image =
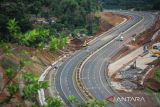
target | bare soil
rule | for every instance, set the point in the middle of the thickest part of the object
(124, 51)
(144, 39)
(41, 59)
(107, 21)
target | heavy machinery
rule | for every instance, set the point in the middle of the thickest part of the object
(85, 44)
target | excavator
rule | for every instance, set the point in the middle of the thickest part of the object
(85, 44)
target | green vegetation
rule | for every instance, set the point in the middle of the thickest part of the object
(54, 102)
(37, 37)
(57, 43)
(156, 5)
(25, 92)
(91, 103)
(12, 88)
(131, 4)
(26, 86)
(20, 26)
(5, 48)
(157, 76)
(17, 19)
(149, 91)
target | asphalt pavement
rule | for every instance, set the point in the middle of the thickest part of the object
(93, 70)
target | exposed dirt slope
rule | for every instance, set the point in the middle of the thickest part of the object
(39, 60)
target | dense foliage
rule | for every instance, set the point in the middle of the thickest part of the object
(18, 25)
(157, 76)
(67, 15)
(74, 13)
(130, 4)
(156, 5)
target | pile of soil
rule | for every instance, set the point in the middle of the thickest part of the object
(107, 21)
(146, 36)
(144, 39)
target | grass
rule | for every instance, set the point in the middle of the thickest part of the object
(157, 75)
(149, 91)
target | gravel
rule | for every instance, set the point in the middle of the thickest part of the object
(128, 85)
(130, 74)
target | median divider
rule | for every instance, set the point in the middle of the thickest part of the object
(78, 84)
(106, 69)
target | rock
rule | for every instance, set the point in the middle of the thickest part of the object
(128, 85)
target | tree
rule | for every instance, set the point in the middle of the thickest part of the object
(30, 90)
(41, 46)
(72, 99)
(54, 102)
(69, 14)
(35, 37)
(43, 84)
(53, 45)
(24, 61)
(12, 88)
(5, 48)
(73, 13)
(29, 77)
(62, 41)
(14, 29)
(32, 85)
(156, 5)
(11, 10)
(10, 72)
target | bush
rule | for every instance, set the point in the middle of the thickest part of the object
(157, 76)
(35, 37)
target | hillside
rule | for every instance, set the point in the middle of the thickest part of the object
(131, 4)
(33, 35)
(36, 34)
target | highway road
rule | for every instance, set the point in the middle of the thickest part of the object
(93, 69)
(99, 51)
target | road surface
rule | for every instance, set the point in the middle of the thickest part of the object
(93, 70)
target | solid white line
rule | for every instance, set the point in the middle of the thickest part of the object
(100, 36)
(106, 45)
(41, 94)
(42, 77)
(125, 20)
(93, 41)
(66, 75)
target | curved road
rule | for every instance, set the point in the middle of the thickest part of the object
(93, 69)
(101, 50)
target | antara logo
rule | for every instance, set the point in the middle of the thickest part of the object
(131, 99)
(113, 99)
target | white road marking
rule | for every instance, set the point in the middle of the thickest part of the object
(106, 45)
